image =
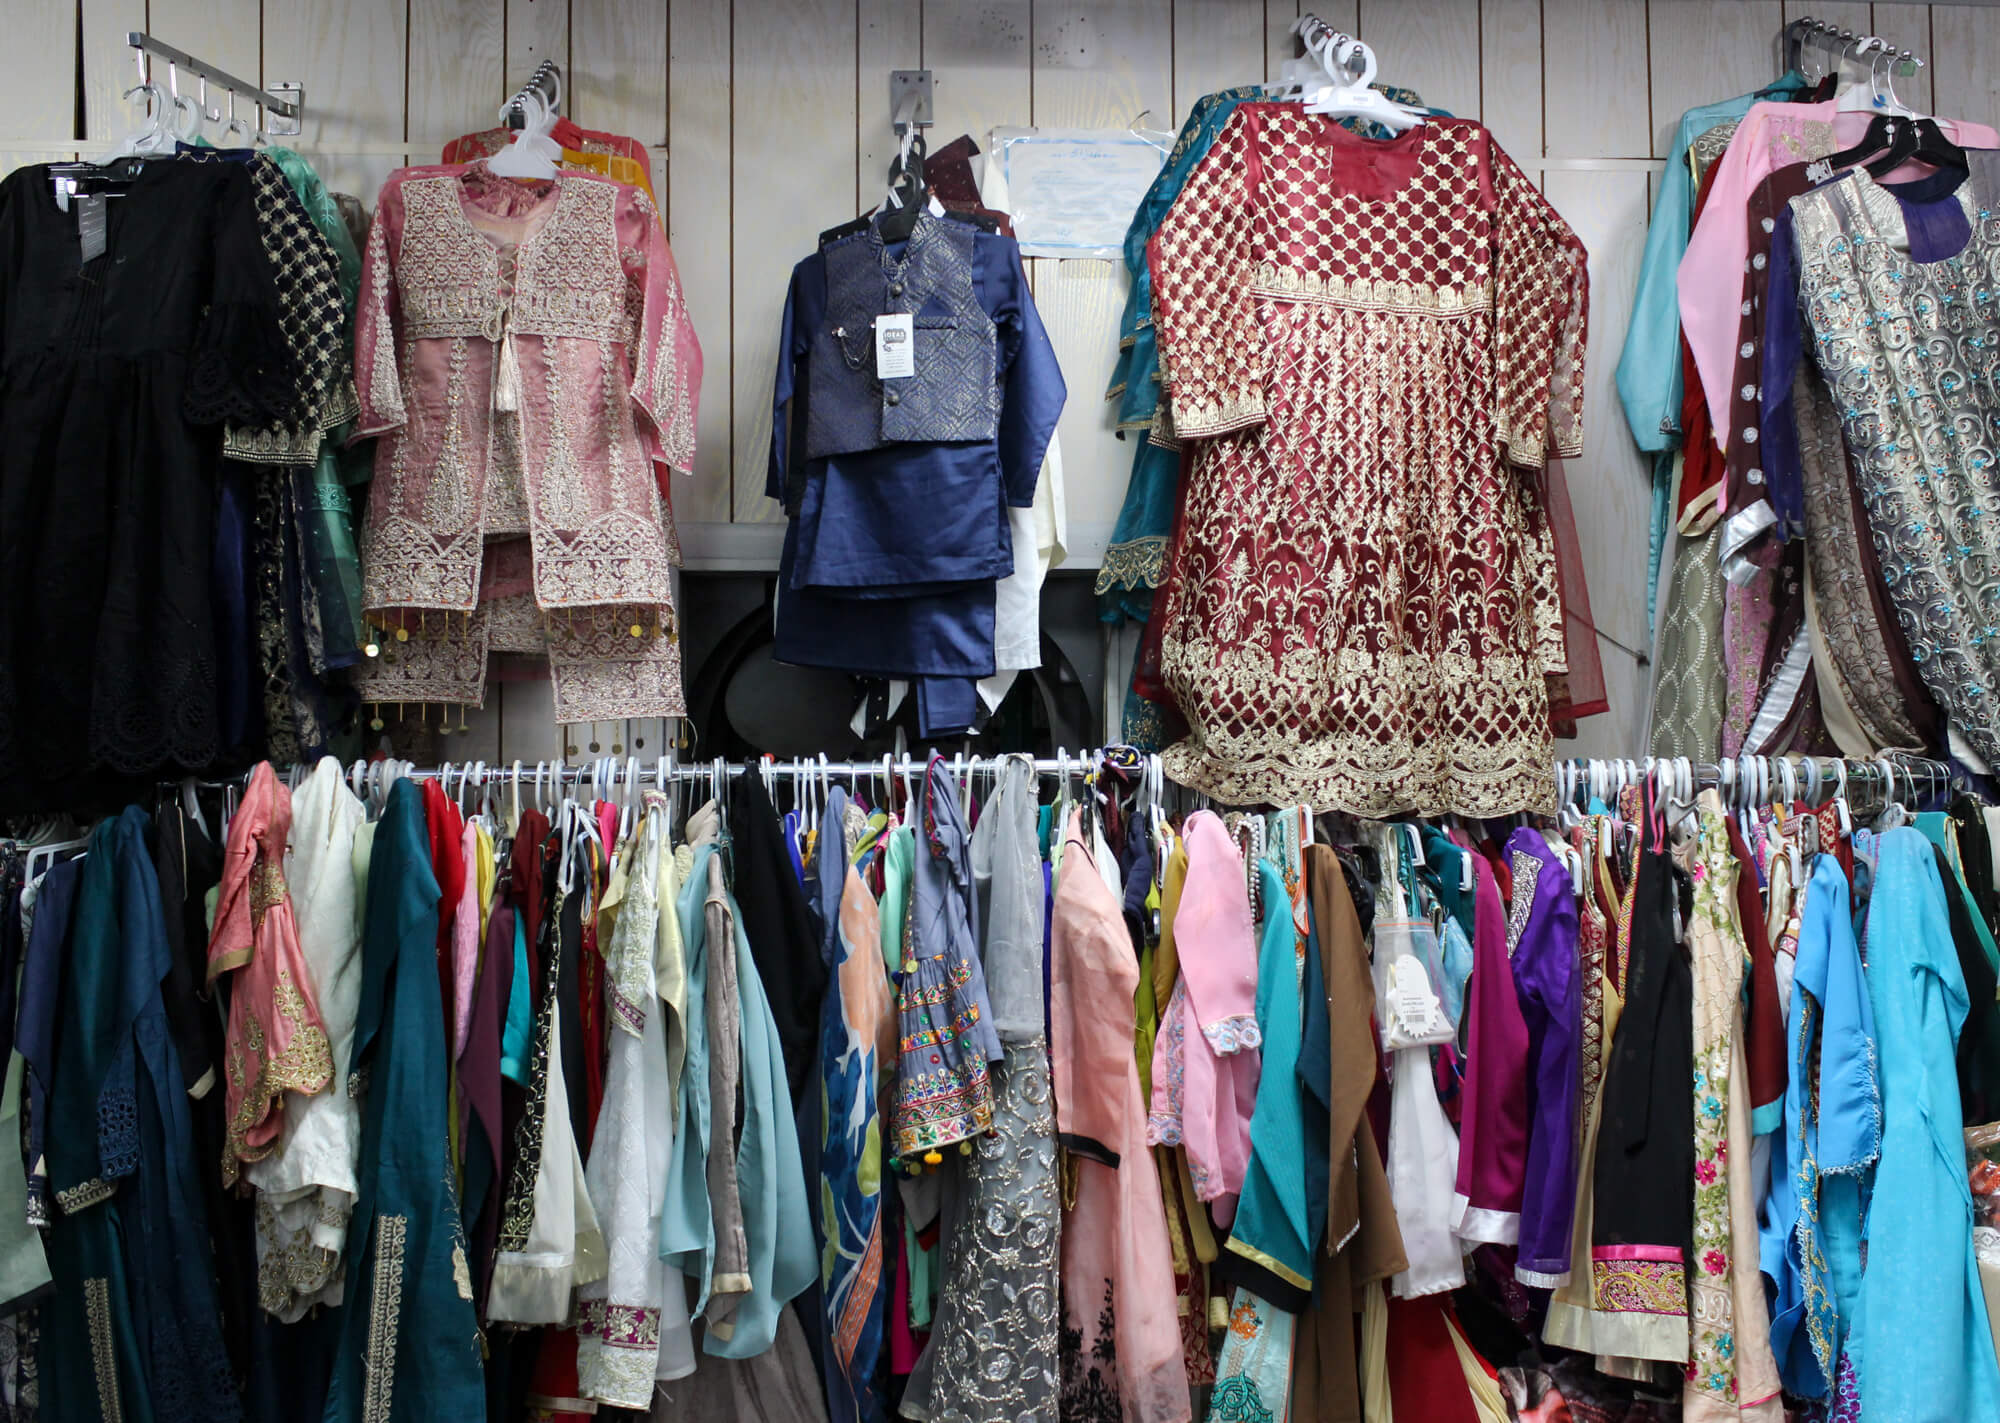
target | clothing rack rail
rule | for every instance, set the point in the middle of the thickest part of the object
(283, 104)
(1745, 780)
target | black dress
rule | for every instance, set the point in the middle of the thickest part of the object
(115, 378)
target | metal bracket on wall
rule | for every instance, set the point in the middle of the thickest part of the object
(910, 98)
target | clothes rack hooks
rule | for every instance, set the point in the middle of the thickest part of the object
(283, 103)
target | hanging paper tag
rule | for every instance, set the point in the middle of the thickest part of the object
(90, 225)
(1418, 1017)
(895, 346)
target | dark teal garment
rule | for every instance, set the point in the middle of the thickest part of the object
(409, 1342)
(132, 1330)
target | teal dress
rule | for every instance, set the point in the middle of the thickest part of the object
(1649, 367)
(1920, 1345)
(132, 1331)
(409, 1341)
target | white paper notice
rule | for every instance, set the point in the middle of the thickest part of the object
(1074, 190)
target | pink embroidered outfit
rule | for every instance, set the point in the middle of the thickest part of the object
(524, 353)
(1120, 1338)
(1205, 1062)
(276, 1041)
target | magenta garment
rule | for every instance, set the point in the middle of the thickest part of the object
(1493, 1137)
(1543, 945)
(1206, 1059)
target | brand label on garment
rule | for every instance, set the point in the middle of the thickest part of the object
(895, 346)
(90, 225)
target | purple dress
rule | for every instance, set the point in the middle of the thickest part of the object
(1542, 942)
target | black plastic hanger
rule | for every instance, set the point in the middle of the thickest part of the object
(1883, 130)
(906, 181)
(1923, 140)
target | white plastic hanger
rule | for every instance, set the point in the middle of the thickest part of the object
(534, 153)
(1349, 96)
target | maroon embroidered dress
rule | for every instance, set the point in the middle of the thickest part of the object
(1373, 348)
(524, 352)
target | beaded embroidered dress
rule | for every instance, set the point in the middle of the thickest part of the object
(1377, 346)
(524, 351)
(1910, 351)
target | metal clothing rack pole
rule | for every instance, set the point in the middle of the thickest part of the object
(1764, 776)
(284, 101)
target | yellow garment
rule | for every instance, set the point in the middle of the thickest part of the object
(611, 165)
(489, 876)
(1376, 1406)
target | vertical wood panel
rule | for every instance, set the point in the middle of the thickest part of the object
(537, 30)
(977, 52)
(1218, 44)
(1707, 50)
(891, 37)
(108, 70)
(1098, 65)
(1279, 42)
(1511, 75)
(1593, 99)
(458, 76)
(1966, 64)
(38, 75)
(352, 58)
(618, 70)
(696, 187)
(1909, 27)
(224, 32)
(793, 179)
(1608, 486)
(1431, 46)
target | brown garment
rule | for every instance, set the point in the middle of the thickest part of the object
(1361, 1232)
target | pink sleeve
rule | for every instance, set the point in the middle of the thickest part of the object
(1711, 270)
(465, 943)
(666, 357)
(377, 314)
(1216, 941)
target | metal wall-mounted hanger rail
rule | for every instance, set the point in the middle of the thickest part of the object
(283, 103)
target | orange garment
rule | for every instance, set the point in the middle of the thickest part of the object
(277, 1041)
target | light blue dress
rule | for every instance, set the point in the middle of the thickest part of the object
(1920, 1343)
(1649, 367)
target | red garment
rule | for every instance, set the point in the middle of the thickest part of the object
(590, 1006)
(446, 828)
(276, 1040)
(1426, 1379)
(1370, 340)
(1765, 1049)
(1703, 466)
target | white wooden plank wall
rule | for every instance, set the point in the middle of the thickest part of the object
(768, 120)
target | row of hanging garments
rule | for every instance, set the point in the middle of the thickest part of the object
(1806, 361)
(1352, 352)
(392, 1099)
(913, 447)
(181, 584)
(209, 357)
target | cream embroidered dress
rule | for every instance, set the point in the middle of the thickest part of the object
(305, 1188)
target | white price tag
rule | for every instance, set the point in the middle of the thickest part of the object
(895, 346)
(1418, 1018)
